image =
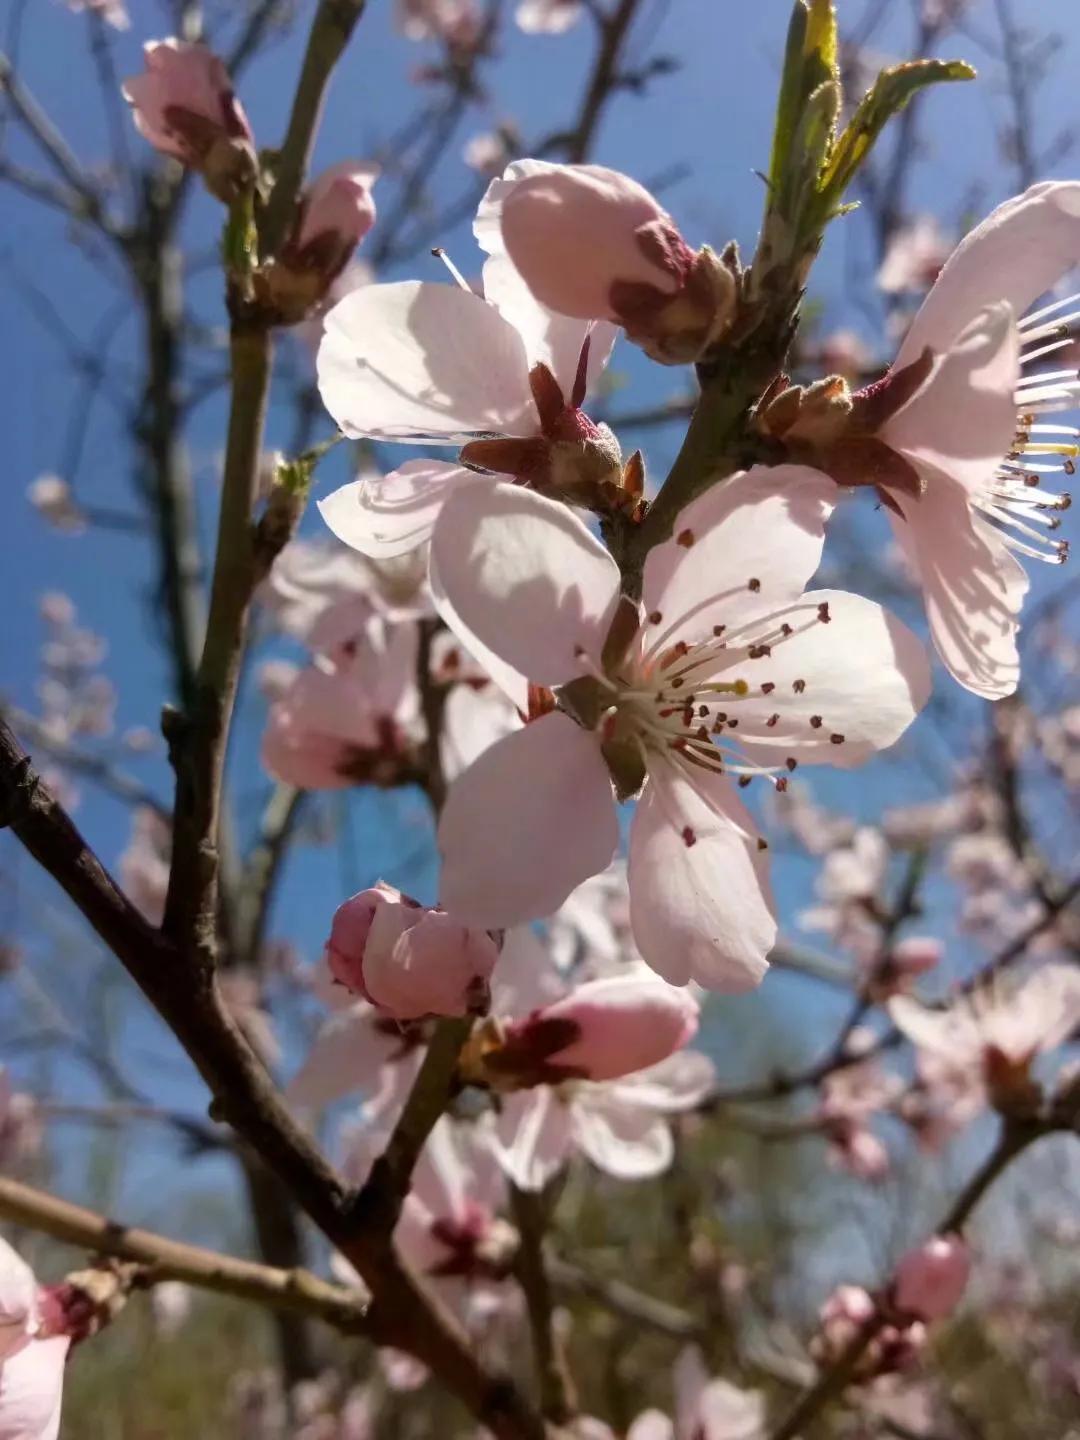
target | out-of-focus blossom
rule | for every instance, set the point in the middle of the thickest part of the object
(622, 1126)
(356, 1049)
(721, 643)
(592, 243)
(52, 498)
(930, 1280)
(487, 152)
(350, 717)
(113, 12)
(76, 699)
(438, 365)
(946, 1097)
(850, 885)
(459, 24)
(914, 258)
(450, 1230)
(591, 929)
(184, 104)
(904, 963)
(335, 212)
(21, 1130)
(850, 1098)
(144, 864)
(310, 578)
(847, 1311)
(408, 960)
(170, 1305)
(998, 1028)
(548, 17)
(704, 1409)
(842, 352)
(819, 831)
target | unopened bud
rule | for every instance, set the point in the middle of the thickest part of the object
(185, 106)
(335, 213)
(408, 960)
(931, 1280)
(603, 1030)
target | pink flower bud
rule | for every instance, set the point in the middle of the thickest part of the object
(931, 1279)
(349, 933)
(408, 960)
(337, 211)
(603, 1030)
(185, 106)
(574, 230)
(334, 215)
(592, 243)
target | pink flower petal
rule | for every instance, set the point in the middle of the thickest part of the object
(435, 362)
(527, 823)
(525, 578)
(746, 546)
(699, 910)
(963, 420)
(393, 514)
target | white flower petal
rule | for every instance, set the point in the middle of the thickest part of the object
(533, 1137)
(623, 1140)
(862, 675)
(434, 362)
(973, 586)
(390, 515)
(747, 545)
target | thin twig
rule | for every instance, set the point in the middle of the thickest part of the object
(164, 1259)
(557, 1398)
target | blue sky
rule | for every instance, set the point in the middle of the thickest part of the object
(710, 121)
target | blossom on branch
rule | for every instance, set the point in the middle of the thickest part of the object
(184, 104)
(650, 700)
(954, 438)
(704, 1409)
(593, 243)
(408, 960)
(500, 378)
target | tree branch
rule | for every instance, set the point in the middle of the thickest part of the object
(331, 30)
(164, 1259)
(187, 998)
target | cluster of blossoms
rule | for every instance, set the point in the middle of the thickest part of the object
(569, 681)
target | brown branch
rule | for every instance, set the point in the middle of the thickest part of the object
(604, 79)
(557, 1396)
(186, 996)
(164, 1259)
(56, 149)
(83, 762)
(331, 30)
(262, 869)
(624, 1300)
